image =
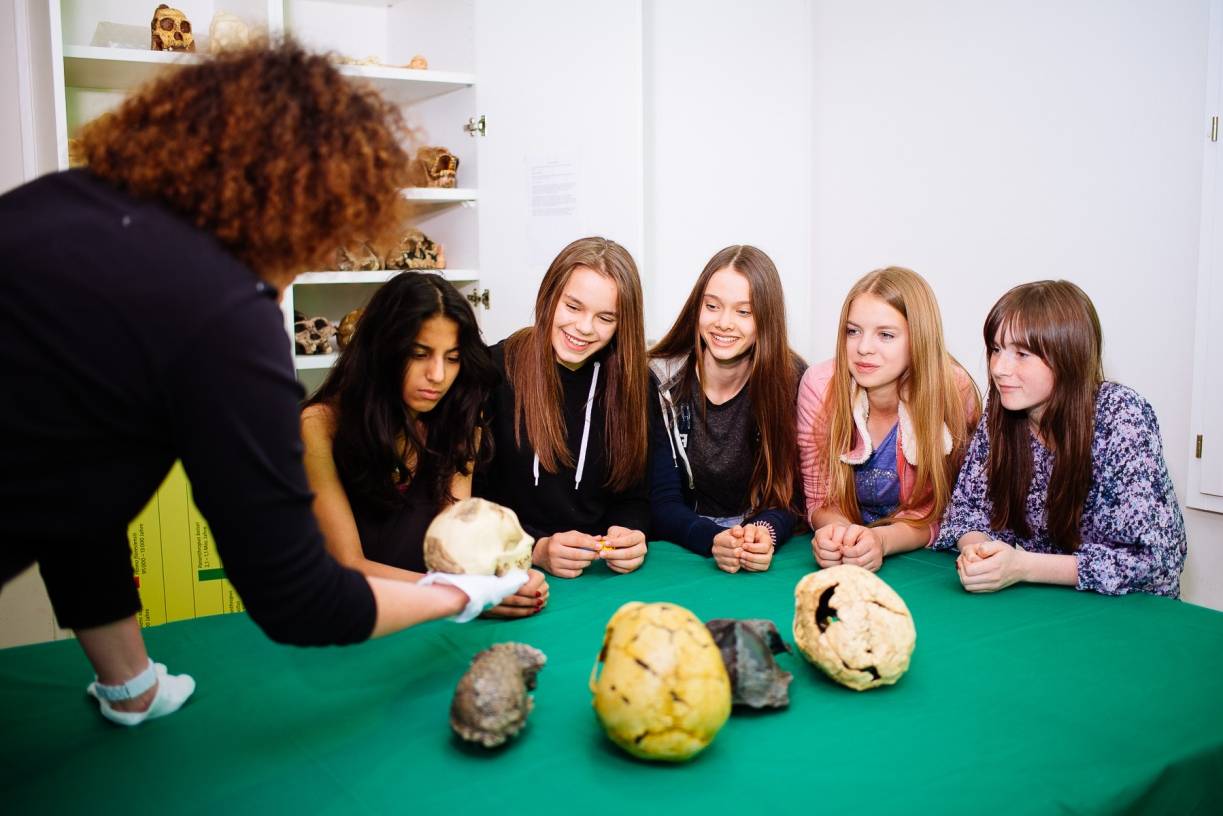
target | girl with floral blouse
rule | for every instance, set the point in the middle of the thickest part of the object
(1065, 480)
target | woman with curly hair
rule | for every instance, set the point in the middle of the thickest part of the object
(395, 431)
(140, 325)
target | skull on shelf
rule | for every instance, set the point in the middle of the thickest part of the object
(227, 31)
(171, 30)
(418, 63)
(357, 257)
(416, 251)
(434, 167)
(312, 335)
(347, 327)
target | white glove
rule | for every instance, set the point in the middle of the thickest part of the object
(481, 590)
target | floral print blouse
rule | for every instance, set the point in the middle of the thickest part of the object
(1133, 535)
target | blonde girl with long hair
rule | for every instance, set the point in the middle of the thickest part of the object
(883, 426)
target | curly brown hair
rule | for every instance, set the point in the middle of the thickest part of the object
(269, 148)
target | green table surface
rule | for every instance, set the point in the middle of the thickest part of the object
(1032, 700)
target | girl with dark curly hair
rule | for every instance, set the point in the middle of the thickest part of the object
(394, 433)
(139, 325)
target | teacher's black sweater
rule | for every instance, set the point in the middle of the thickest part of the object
(128, 339)
(559, 502)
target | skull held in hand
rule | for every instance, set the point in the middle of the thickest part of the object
(852, 625)
(747, 648)
(171, 30)
(312, 335)
(491, 703)
(433, 167)
(477, 537)
(416, 251)
(663, 692)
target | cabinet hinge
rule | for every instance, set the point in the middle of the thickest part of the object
(475, 126)
(1198, 449)
(1214, 128)
(479, 298)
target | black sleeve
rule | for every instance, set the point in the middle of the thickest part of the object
(234, 403)
(671, 519)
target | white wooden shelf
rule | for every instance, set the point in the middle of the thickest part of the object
(441, 194)
(314, 361)
(121, 69)
(378, 276)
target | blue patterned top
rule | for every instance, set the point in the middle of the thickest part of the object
(1133, 535)
(875, 481)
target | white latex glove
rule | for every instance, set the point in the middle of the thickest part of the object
(482, 591)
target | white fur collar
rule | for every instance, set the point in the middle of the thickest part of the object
(905, 436)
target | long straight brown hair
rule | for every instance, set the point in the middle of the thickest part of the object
(928, 388)
(772, 380)
(1056, 321)
(530, 366)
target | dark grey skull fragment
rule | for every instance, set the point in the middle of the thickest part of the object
(747, 648)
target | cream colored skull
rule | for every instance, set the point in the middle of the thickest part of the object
(663, 692)
(171, 30)
(852, 625)
(477, 537)
(227, 31)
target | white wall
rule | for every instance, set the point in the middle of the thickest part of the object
(987, 144)
(728, 146)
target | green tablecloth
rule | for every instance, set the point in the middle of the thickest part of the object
(1033, 700)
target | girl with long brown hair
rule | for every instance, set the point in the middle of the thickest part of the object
(883, 426)
(724, 478)
(570, 421)
(1065, 481)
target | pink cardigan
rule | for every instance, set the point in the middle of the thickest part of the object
(813, 438)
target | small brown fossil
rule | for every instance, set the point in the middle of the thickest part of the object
(491, 703)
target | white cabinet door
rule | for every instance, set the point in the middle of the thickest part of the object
(560, 86)
(1206, 465)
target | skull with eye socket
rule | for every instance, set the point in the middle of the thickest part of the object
(434, 167)
(171, 30)
(312, 335)
(416, 251)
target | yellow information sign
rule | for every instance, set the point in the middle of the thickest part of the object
(174, 558)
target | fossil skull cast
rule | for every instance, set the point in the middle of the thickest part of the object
(491, 703)
(171, 30)
(357, 257)
(477, 537)
(347, 327)
(312, 335)
(853, 626)
(747, 648)
(416, 251)
(663, 692)
(433, 167)
(227, 31)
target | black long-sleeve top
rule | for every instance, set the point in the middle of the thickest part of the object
(559, 502)
(130, 338)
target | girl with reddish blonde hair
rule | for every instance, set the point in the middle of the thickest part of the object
(570, 421)
(1065, 480)
(724, 479)
(883, 426)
